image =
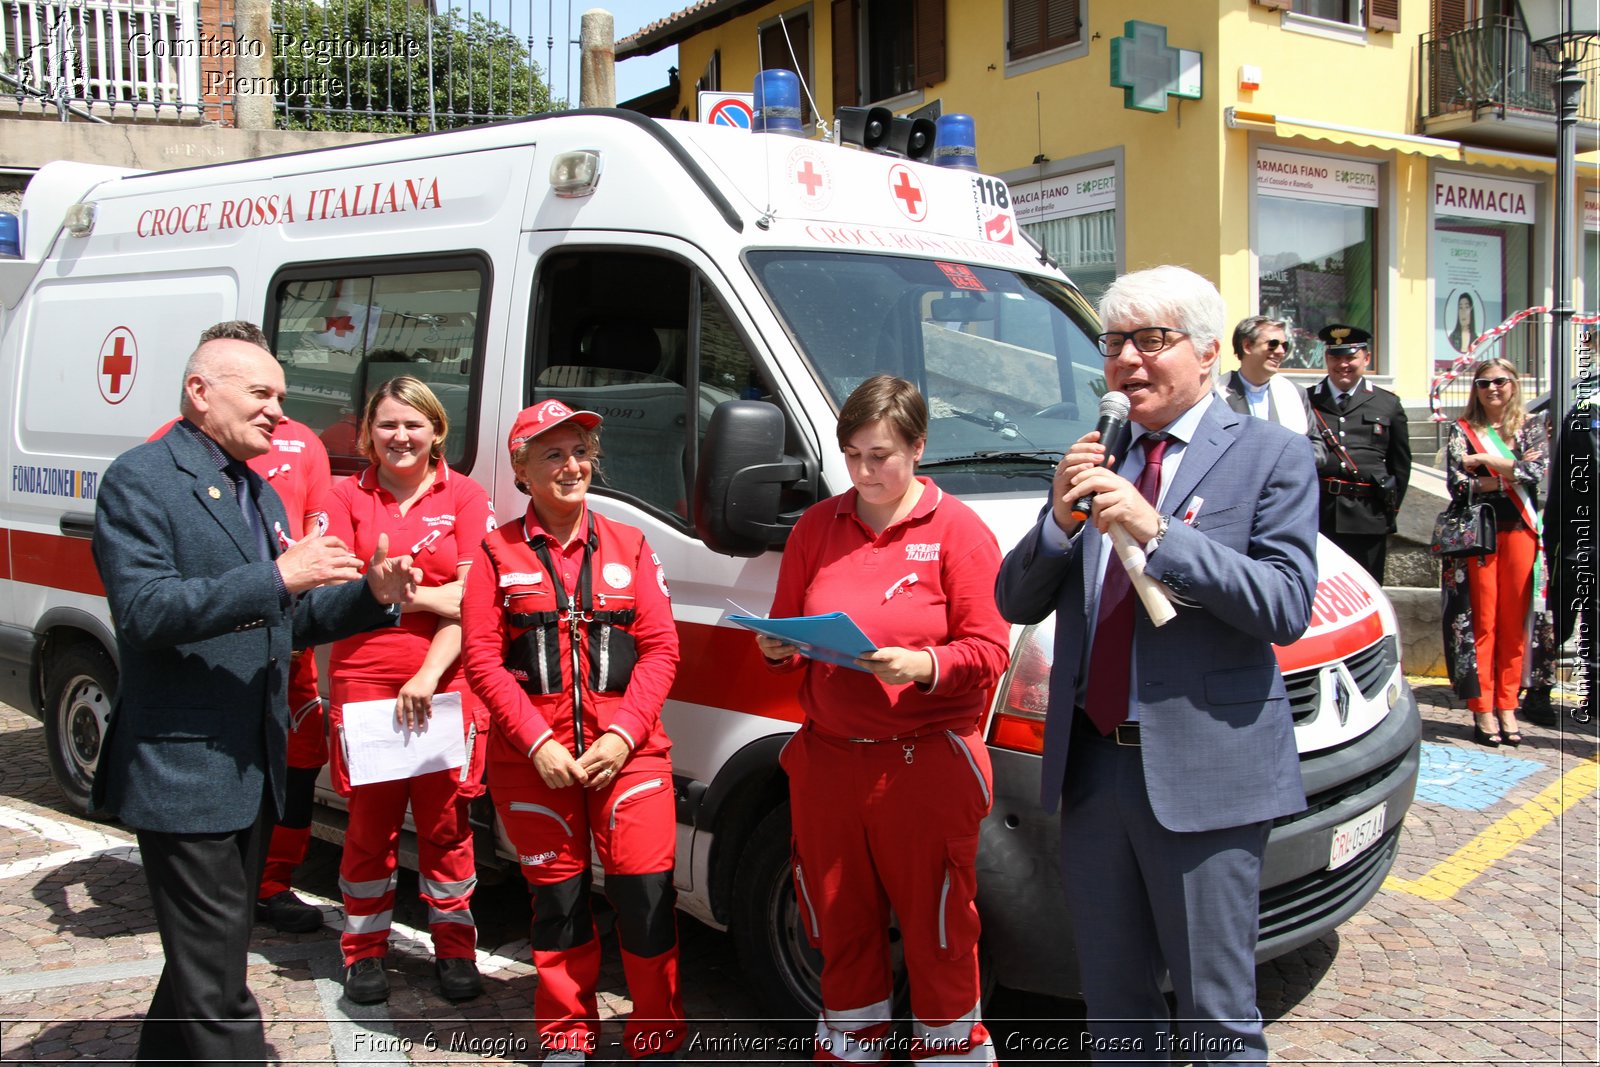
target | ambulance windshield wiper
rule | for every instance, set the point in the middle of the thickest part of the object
(996, 455)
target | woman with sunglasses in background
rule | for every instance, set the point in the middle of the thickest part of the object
(1497, 454)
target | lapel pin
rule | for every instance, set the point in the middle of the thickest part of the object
(216, 494)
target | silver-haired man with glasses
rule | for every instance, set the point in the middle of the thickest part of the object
(1169, 751)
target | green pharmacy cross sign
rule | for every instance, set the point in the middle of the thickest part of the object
(1148, 71)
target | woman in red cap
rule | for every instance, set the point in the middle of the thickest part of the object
(437, 516)
(570, 643)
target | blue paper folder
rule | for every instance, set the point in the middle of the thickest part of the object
(832, 638)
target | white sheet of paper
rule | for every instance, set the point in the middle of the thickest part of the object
(379, 749)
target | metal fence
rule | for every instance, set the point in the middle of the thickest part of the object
(359, 65)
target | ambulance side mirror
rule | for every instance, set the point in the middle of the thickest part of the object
(739, 481)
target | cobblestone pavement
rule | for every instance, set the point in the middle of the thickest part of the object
(1481, 948)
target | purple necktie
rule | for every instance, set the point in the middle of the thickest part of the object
(1111, 657)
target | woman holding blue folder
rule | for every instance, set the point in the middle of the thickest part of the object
(890, 745)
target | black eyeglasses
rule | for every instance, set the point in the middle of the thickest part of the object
(1484, 383)
(1274, 343)
(1147, 339)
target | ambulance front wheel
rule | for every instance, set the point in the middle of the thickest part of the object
(79, 683)
(777, 960)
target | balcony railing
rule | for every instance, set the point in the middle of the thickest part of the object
(136, 58)
(1490, 66)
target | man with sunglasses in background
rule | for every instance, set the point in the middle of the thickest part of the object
(1262, 344)
(1366, 465)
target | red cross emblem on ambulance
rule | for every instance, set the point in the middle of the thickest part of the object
(117, 365)
(908, 193)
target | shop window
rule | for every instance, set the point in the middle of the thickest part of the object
(1316, 218)
(886, 48)
(1482, 267)
(1034, 26)
(785, 44)
(1073, 216)
(340, 333)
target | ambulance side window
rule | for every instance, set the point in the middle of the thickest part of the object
(341, 331)
(641, 339)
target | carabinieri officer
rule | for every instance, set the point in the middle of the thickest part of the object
(1368, 460)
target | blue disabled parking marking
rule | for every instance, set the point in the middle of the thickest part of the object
(1467, 778)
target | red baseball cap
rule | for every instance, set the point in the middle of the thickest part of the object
(543, 416)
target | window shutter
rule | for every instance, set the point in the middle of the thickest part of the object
(1383, 15)
(846, 82)
(1275, 5)
(1040, 25)
(930, 42)
(1449, 16)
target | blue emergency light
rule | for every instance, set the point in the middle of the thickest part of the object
(777, 103)
(10, 236)
(956, 143)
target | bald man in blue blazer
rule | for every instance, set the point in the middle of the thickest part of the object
(1170, 750)
(209, 599)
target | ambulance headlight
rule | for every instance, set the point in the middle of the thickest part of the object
(80, 220)
(575, 173)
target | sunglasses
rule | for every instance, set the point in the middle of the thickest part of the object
(1484, 383)
(1273, 344)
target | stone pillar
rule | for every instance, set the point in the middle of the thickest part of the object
(253, 23)
(597, 71)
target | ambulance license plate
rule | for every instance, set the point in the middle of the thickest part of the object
(1351, 839)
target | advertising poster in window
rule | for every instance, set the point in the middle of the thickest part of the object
(1469, 296)
(1314, 222)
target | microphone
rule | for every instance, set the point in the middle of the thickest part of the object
(1113, 421)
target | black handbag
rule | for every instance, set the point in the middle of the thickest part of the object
(1463, 530)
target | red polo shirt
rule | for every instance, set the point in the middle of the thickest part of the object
(926, 582)
(441, 531)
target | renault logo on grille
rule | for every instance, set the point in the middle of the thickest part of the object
(1341, 698)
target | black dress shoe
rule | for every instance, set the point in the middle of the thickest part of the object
(365, 982)
(458, 978)
(288, 913)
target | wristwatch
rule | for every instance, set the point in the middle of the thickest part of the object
(1161, 531)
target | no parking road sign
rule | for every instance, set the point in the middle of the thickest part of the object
(727, 109)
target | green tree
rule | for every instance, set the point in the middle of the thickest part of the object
(394, 66)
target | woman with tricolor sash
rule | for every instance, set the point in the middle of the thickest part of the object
(1498, 454)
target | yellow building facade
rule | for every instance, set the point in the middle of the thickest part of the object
(1386, 163)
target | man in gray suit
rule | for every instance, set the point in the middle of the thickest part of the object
(1171, 750)
(209, 599)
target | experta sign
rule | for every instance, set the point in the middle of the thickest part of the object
(1079, 193)
(1324, 179)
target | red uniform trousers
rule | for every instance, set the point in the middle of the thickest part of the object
(308, 751)
(632, 821)
(446, 864)
(1500, 586)
(881, 825)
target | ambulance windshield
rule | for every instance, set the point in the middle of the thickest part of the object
(1007, 361)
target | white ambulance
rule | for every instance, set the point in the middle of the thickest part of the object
(715, 294)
